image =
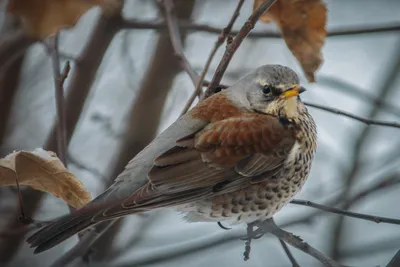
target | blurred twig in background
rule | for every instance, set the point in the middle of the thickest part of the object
(350, 177)
(189, 26)
(9, 75)
(234, 45)
(221, 39)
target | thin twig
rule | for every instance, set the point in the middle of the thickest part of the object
(193, 27)
(339, 85)
(376, 219)
(289, 254)
(355, 117)
(59, 79)
(175, 37)
(221, 39)
(388, 182)
(50, 50)
(269, 226)
(22, 218)
(232, 47)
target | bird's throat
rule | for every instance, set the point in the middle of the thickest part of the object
(290, 107)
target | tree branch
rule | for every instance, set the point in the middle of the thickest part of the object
(221, 39)
(269, 226)
(175, 37)
(289, 254)
(234, 45)
(340, 85)
(59, 79)
(193, 27)
(352, 116)
(371, 218)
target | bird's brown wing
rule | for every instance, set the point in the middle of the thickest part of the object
(220, 158)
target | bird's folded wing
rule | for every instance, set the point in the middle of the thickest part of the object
(222, 157)
(208, 161)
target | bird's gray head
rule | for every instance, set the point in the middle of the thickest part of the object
(273, 89)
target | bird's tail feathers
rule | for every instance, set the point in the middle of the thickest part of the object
(69, 225)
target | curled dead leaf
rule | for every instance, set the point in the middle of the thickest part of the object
(302, 24)
(45, 17)
(43, 171)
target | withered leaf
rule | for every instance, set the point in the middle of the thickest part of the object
(43, 171)
(302, 24)
(45, 17)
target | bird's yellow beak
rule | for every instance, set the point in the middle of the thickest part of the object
(294, 91)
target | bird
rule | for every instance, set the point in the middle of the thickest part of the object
(238, 156)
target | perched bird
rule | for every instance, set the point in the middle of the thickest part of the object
(238, 156)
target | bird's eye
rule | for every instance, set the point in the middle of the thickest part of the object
(267, 89)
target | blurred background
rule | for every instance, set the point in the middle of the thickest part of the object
(126, 86)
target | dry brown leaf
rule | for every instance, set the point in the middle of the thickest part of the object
(45, 17)
(43, 171)
(302, 24)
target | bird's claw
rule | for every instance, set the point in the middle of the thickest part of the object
(223, 227)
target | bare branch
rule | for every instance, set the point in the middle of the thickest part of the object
(62, 55)
(289, 254)
(59, 79)
(355, 117)
(388, 182)
(337, 84)
(175, 37)
(221, 39)
(269, 226)
(190, 26)
(234, 45)
(371, 218)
